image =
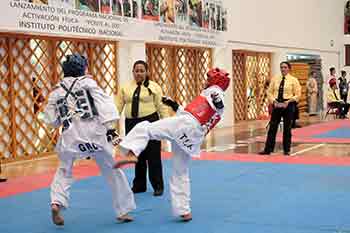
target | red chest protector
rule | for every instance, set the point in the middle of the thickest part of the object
(203, 112)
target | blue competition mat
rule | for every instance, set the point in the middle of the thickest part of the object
(227, 197)
(337, 133)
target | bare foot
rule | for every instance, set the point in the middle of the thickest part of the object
(56, 216)
(125, 218)
(128, 159)
(186, 217)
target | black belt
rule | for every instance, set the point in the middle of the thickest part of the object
(131, 122)
(145, 118)
(282, 101)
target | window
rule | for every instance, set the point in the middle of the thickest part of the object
(30, 66)
(251, 73)
(180, 71)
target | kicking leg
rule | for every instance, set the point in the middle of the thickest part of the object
(137, 139)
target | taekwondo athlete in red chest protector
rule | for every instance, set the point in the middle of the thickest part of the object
(86, 115)
(186, 132)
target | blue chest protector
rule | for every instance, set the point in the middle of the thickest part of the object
(83, 105)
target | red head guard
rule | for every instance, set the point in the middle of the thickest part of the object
(218, 77)
(332, 82)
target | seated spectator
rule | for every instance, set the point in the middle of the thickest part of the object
(334, 101)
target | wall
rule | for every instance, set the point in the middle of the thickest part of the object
(308, 24)
(329, 59)
(346, 42)
(279, 27)
(284, 26)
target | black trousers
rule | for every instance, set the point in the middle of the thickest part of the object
(344, 97)
(150, 157)
(288, 115)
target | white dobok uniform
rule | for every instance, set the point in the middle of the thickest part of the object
(186, 131)
(83, 110)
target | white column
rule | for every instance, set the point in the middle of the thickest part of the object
(222, 58)
(277, 57)
(129, 52)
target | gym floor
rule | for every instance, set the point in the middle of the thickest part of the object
(233, 188)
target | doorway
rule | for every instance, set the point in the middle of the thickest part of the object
(251, 73)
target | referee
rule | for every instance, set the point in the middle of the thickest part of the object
(283, 93)
(141, 100)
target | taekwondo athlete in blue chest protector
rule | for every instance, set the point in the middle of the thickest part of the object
(86, 115)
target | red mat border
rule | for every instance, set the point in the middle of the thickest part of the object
(31, 183)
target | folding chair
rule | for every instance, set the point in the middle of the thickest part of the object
(332, 110)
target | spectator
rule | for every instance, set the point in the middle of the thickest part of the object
(332, 74)
(343, 86)
(334, 101)
(312, 93)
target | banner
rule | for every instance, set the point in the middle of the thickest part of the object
(193, 22)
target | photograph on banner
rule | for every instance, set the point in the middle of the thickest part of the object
(88, 5)
(36, 1)
(218, 16)
(195, 12)
(150, 10)
(117, 7)
(167, 11)
(136, 9)
(105, 6)
(68, 4)
(205, 14)
(181, 12)
(126, 4)
(224, 19)
(212, 15)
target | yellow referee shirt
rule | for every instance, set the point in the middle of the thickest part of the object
(148, 103)
(292, 88)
